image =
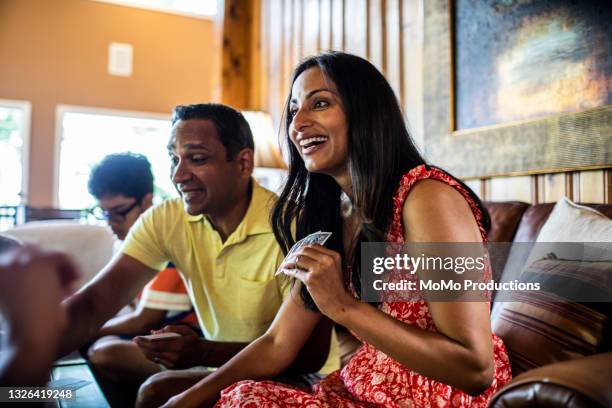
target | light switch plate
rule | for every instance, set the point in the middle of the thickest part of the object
(120, 59)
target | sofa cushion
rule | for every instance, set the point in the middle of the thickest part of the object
(505, 218)
(570, 222)
(543, 327)
(90, 246)
(535, 216)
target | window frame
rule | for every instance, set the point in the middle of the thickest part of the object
(162, 9)
(61, 110)
(26, 107)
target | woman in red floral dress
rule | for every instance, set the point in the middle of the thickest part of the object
(354, 171)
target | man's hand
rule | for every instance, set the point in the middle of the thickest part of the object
(176, 352)
(32, 285)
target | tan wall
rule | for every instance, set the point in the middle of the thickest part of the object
(55, 52)
(389, 33)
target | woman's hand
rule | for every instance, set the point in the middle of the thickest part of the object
(185, 400)
(320, 269)
(198, 396)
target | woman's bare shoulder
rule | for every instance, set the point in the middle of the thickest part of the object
(437, 212)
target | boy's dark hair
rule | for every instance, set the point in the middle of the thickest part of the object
(233, 129)
(128, 174)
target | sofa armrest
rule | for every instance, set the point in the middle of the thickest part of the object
(582, 382)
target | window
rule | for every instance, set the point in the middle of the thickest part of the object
(87, 135)
(190, 8)
(14, 151)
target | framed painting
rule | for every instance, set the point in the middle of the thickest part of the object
(517, 86)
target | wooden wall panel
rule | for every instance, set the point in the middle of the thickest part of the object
(236, 53)
(412, 74)
(510, 188)
(298, 33)
(337, 21)
(390, 34)
(608, 186)
(263, 101)
(592, 186)
(311, 27)
(288, 51)
(376, 33)
(356, 27)
(393, 46)
(552, 187)
(325, 21)
(258, 57)
(275, 55)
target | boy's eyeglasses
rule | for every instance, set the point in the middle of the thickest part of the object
(117, 216)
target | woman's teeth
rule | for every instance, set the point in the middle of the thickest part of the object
(312, 141)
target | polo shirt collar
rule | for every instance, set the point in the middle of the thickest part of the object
(255, 221)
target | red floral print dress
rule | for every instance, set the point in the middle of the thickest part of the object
(371, 378)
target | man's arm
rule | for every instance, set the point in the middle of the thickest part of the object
(190, 350)
(264, 358)
(131, 324)
(102, 298)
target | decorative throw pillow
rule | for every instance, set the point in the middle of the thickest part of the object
(556, 323)
(570, 222)
(544, 327)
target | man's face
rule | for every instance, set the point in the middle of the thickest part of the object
(121, 212)
(206, 180)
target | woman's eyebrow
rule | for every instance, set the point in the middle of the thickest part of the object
(315, 91)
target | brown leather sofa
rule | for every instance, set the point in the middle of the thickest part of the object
(579, 382)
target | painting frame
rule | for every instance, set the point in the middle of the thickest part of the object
(557, 143)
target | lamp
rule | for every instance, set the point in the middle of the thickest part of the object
(270, 169)
(267, 153)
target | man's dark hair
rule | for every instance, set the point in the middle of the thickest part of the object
(126, 174)
(233, 129)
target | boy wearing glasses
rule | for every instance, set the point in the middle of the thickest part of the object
(123, 186)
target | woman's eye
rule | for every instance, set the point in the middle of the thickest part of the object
(292, 111)
(173, 160)
(198, 159)
(321, 104)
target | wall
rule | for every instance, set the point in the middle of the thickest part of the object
(379, 30)
(55, 52)
(389, 33)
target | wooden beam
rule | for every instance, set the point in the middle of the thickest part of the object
(236, 54)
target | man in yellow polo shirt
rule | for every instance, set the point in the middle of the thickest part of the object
(218, 236)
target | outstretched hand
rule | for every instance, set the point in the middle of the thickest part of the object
(32, 285)
(174, 352)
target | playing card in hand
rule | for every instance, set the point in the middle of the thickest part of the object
(319, 237)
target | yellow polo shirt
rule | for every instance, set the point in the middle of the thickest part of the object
(232, 283)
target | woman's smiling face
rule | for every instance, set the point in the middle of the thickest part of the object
(318, 128)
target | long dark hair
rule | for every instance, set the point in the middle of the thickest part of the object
(380, 151)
